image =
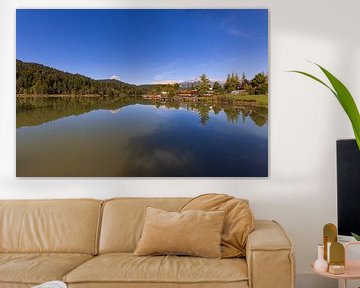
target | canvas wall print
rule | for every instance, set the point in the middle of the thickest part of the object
(142, 93)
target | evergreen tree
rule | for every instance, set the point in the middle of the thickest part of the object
(232, 82)
(245, 83)
(260, 84)
(38, 79)
(204, 84)
(217, 87)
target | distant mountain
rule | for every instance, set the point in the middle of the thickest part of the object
(37, 79)
(189, 84)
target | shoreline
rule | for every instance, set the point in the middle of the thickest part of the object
(249, 100)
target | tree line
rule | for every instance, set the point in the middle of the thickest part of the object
(256, 86)
(169, 89)
(37, 79)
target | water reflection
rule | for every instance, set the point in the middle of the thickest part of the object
(32, 111)
(110, 137)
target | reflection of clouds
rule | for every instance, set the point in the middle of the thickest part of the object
(181, 148)
(162, 158)
(165, 152)
(157, 155)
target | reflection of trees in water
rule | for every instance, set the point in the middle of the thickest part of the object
(232, 114)
(217, 109)
(172, 104)
(32, 111)
(260, 117)
(257, 114)
(204, 114)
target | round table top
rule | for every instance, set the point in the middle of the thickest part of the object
(352, 271)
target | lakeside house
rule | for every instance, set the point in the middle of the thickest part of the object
(238, 92)
(154, 97)
(187, 93)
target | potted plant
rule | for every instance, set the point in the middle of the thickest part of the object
(344, 97)
(346, 100)
(357, 237)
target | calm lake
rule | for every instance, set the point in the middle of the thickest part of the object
(97, 137)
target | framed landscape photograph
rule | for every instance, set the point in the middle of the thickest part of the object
(142, 93)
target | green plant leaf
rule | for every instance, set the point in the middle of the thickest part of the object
(316, 79)
(344, 97)
(357, 137)
(356, 236)
(346, 100)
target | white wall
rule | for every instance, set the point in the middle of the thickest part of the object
(305, 120)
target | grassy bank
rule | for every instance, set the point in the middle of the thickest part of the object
(258, 100)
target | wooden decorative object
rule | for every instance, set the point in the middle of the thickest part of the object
(330, 236)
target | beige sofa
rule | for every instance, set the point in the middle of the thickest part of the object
(89, 243)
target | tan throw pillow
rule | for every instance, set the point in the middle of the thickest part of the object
(239, 220)
(196, 233)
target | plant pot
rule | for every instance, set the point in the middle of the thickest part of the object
(348, 187)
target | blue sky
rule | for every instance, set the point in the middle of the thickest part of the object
(145, 46)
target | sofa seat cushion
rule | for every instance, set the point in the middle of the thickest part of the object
(127, 268)
(36, 268)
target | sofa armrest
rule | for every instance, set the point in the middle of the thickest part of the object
(269, 256)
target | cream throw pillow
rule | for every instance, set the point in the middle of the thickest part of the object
(238, 224)
(193, 232)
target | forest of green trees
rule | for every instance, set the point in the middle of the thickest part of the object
(37, 79)
(256, 86)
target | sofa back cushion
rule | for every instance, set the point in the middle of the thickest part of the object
(238, 224)
(123, 220)
(193, 233)
(66, 226)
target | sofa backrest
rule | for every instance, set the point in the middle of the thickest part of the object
(67, 226)
(123, 220)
